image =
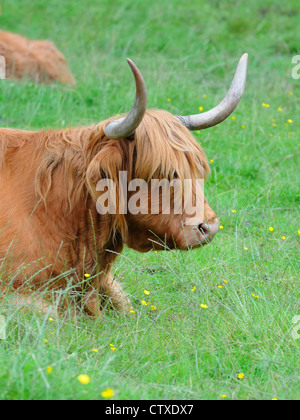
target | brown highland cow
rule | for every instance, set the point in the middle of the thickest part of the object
(39, 61)
(49, 221)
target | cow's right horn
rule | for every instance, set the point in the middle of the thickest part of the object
(125, 127)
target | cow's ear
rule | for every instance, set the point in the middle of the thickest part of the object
(106, 164)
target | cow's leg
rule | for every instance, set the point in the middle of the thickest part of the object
(92, 302)
(112, 289)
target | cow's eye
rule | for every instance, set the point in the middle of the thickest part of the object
(131, 137)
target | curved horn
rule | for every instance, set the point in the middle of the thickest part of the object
(125, 127)
(226, 107)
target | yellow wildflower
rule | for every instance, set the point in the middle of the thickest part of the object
(84, 379)
(146, 292)
(221, 227)
(241, 375)
(271, 229)
(153, 307)
(194, 288)
(203, 306)
(200, 108)
(49, 370)
(107, 393)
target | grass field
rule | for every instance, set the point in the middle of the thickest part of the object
(186, 50)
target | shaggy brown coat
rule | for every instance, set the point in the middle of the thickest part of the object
(48, 218)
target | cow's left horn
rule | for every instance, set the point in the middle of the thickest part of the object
(226, 107)
(125, 127)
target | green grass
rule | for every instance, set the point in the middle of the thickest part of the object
(185, 49)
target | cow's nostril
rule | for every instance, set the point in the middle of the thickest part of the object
(203, 228)
(209, 230)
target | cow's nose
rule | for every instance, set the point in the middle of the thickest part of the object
(209, 230)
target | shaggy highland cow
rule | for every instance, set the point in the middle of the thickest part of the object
(39, 61)
(49, 219)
